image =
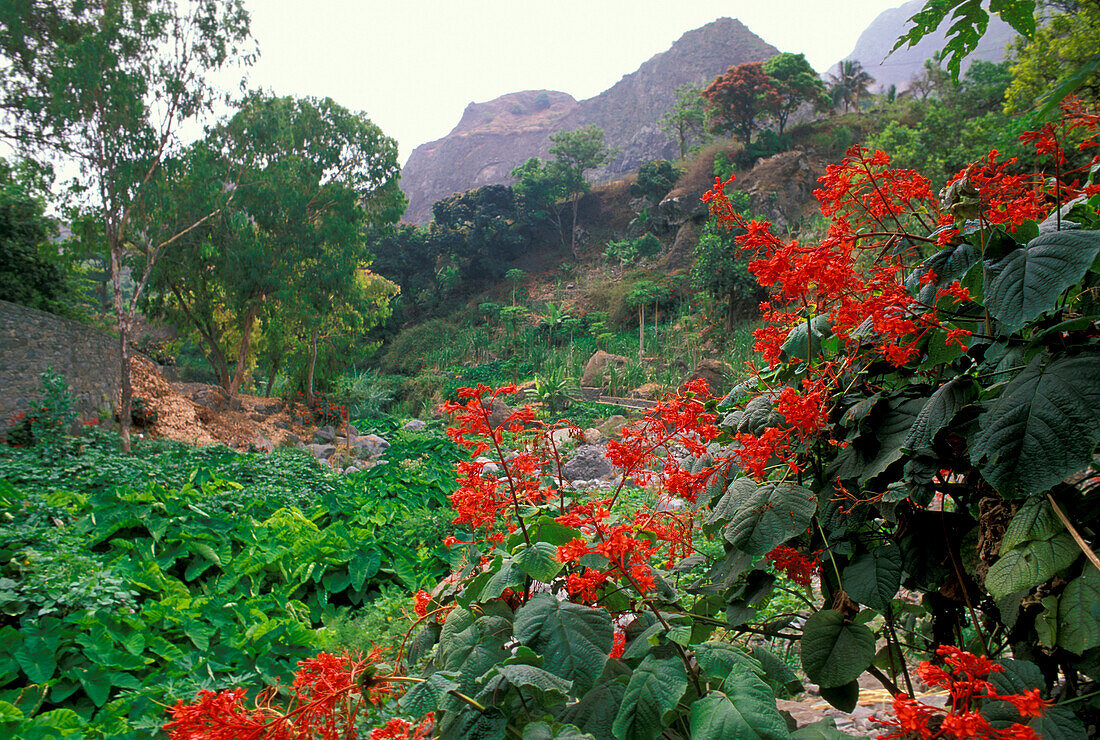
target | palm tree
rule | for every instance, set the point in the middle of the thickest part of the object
(849, 84)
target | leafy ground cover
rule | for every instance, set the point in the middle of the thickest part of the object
(127, 582)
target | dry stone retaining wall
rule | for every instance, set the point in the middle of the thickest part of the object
(32, 340)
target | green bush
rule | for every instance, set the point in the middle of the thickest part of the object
(409, 349)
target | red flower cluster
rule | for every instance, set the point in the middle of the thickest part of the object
(399, 729)
(797, 566)
(326, 698)
(967, 687)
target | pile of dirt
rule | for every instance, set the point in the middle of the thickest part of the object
(202, 414)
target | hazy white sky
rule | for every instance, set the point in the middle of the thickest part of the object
(414, 65)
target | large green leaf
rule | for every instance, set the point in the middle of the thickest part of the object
(425, 697)
(759, 414)
(766, 515)
(717, 659)
(654, 689)
(1044, 426)
(536, 679)
(833, 652)
(574, 640)
(1030, 564)
(596, 711)
(1035, 520)
(1079, 612)
(873, 578)
(538, 561)
(940, 410)
(821, 730)
(544, 731)
(744, 709)
(1027, 282)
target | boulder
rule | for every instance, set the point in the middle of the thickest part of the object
(261, 443)
(325, 435)
(272, 407)
(370, 445)
(588, 463)
(322, 452)
(613, 425)
(593, 436)
(499, 412)
(714, 372)
(561, 436)
(351, 431)
(647, 392)
(415, 425)
(593, 369)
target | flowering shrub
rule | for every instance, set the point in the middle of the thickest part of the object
(924, 413)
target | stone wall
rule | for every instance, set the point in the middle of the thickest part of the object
(32, 340)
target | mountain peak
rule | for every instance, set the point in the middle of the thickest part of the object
(493, 137)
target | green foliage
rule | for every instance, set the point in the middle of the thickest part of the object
(288, 253)
(955, 127)
(686, 121)
(721, 271)
(796, 83)
(968, 23)
(26, 275)
(655, 179)
(130, 580)
(1059, 58)
(631, 251)
(408, 350)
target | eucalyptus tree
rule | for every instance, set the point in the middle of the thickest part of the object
(107, 84)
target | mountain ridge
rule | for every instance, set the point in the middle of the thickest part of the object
(493, 137)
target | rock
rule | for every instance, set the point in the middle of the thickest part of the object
(714, 372)
(325, 462)
(370, 445)
(280, 424)
(593, 369)
(351, 431)
(261, 443)
(322, 452)
(325, 435)
(647, 391)
(415, 425)
(499, 412)
(613, 426)
(588, 463)
(273, 407)
(561, 436)
(593, 436)
(257, 417)
(292, 438)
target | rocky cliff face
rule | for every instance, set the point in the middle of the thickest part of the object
(494, 137)
(900, 67)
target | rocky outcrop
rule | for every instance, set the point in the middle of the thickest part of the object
(873, 46)
(494, 137)
(781, 188)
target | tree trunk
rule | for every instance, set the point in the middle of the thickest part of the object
(641, 332)
(242, 351)
(573, 233)
(125, 403)
(271, 377)
(312, 365)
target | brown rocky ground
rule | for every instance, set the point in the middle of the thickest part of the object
(202, 414)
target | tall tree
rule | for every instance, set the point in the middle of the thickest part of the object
(577, 152)
(739, 98)
(108, 84)
(849, 83)
(686, 120)
(311, 178)
(1065, 41)
(795, 83)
